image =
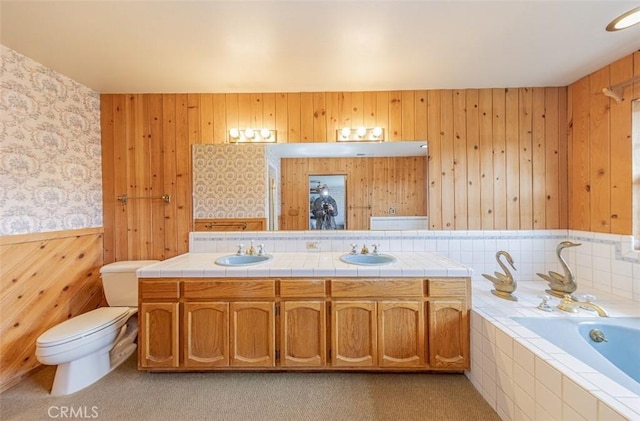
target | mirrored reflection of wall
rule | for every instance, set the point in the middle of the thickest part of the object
(389, 186)
(229, 181)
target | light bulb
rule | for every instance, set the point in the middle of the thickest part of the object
(361, 131)
(234, 133)
(265, 133)
(345, 132)
(377, 132)
(249, 133)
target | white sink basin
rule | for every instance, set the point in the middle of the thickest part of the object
(243, 260)
(368, 259)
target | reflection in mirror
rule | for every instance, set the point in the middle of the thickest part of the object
(249, 186)
(327, 199)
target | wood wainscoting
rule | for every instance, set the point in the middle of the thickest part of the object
(45, 278)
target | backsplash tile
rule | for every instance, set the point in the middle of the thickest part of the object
(603, 262)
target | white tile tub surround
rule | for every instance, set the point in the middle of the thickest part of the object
(524, 377)
(603, 263)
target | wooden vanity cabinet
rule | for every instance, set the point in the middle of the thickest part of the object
(449, 303)
(158, 330)
(377, 324)
(303, 323)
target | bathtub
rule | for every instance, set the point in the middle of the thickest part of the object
(617, 358)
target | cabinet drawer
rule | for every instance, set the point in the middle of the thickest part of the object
(227, 288)
(302, 288)
(150, 289)
(381, 288)
(448, 287)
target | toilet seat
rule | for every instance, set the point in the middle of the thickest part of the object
(88, 324)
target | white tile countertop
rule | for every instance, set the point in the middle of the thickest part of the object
(306, 264)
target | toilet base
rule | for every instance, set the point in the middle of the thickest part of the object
(76, 375)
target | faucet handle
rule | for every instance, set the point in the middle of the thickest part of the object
(260, 249)
(240, 252)
(544, 305)
(375, 248)
(354, 248)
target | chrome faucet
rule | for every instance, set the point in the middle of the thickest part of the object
(354, 248)
(571, 305)
(375, 249)
(240, 251)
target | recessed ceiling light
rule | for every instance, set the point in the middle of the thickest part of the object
(632, 17)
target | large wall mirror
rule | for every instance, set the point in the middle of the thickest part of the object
(267, 187)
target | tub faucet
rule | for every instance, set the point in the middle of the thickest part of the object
(570, 305)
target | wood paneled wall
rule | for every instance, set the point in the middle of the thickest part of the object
(497, 157)
(600, 145)
(373, 186)
(44, 280)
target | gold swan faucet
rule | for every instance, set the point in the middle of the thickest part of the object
(561, 285)
(504, 283)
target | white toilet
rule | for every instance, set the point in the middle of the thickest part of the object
(87, 347)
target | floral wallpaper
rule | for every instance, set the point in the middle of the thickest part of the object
(50, 155)
(229, 181)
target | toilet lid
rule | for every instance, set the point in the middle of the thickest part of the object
(82, 325)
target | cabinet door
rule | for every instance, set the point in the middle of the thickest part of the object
(303, 333)
(448, 334)
(206, 334)
(353, 334)
(401, 338)
(252, 334)
(158, 335)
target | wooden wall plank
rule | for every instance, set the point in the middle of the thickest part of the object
(447, 160)
(169, 174)
(408, 114)
(500, 196)
(332, 118)
(474, 216)
(220, 128)
(551, 159)
(524, 148)
(306, 117)
(184, 214)
(357, 109)
(460, 180)
(421, 116)
(319, 117)
(578, 157)
(485, 114)
(563, 134)
(294, 115)
(512, 148)
(108, 176)
(156, 148)
(538, 159)
(282, 117)
(395, 116)
(621, 160)
(206, 118)
(434, 160)
(382, 111)
(599, 168)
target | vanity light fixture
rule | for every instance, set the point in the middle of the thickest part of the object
(625, 20)
(360, 134)
(252, 136)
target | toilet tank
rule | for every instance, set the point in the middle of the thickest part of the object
(120, 282)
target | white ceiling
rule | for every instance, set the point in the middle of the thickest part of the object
(300, 46)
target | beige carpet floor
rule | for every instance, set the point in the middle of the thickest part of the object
(128, 394)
